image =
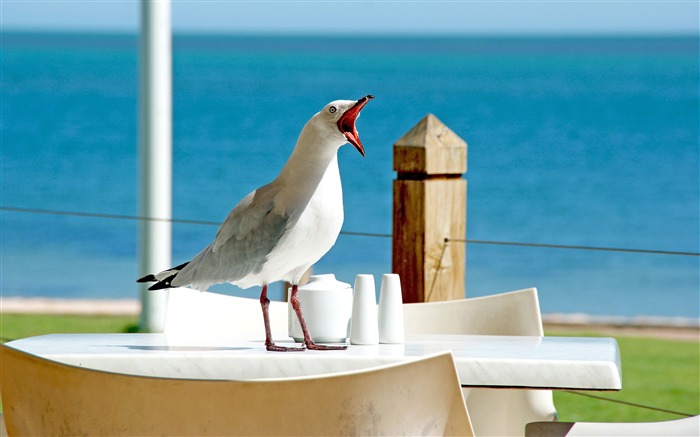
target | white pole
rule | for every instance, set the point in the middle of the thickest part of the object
(155, 154)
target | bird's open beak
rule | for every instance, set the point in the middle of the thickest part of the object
(346, 124)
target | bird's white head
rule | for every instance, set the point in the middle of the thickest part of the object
(339, 117)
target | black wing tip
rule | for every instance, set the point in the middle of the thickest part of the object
(159, 286)
(162, 285)
(147, 278)
(181, 266)
(152, 277)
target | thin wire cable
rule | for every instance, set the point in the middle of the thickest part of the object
(437, 270)
(349, 233)
(107, 216)
(365, 234)
(140, 218)
(563, 246)
(632, 404)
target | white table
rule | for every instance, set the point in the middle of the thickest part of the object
(481, 361)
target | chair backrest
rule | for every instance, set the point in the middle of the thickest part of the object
(194, 314)
(493, 412)
(690, 426)
(44, 397)
(512, 313)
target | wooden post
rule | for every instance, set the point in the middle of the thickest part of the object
(430, 208)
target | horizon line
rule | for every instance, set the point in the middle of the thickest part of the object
(366, 34)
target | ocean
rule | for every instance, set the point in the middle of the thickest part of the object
(572, 141)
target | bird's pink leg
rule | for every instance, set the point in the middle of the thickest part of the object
(294, 299)
(269, 344)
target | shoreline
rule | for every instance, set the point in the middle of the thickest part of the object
(647, 326)
(46, 305)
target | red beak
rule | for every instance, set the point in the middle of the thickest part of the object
(346, 124)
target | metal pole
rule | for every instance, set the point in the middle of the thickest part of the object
(155, 154)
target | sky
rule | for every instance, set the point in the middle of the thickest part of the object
(562, 17)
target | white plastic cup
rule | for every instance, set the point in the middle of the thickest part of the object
(391, 328)
(364, 328)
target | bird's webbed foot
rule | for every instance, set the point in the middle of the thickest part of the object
(274, 348)
(322, 347)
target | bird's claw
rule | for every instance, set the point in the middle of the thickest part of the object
(322, 347)
(306, 345)
(274, 348)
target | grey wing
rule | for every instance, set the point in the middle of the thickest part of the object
(241, 246)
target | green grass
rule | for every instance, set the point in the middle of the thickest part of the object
(659, 373)
(14, 326)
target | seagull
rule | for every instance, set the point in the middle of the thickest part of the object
(281, 229)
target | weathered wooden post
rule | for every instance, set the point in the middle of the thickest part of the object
(430, 209)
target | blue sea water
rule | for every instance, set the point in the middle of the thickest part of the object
(572, 141)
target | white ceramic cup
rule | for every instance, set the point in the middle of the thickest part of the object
(326, 304)
(363, 327)
(391, 310)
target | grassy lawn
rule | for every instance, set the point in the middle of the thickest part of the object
(664, 374)
(14, 326)
(658, 373)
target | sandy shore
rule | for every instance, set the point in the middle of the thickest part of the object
(681, 328)
(644, 326)
(22, 305)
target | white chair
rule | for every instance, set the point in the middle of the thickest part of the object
(192, 314)
(44, 397)
(689, 426)
(494, 412)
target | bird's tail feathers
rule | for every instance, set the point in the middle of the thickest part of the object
(163, 279)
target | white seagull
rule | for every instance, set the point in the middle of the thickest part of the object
(279, 230)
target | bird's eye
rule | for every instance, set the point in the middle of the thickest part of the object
(332, 109)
